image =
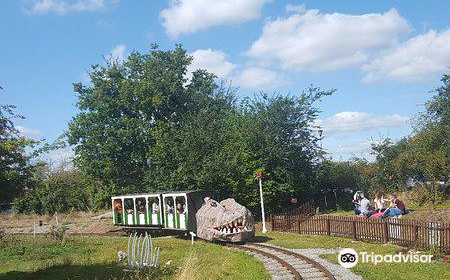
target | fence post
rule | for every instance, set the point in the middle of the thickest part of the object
(385, 232)
(416, 234)
(271, 222)
(328, 226)
(354, 230)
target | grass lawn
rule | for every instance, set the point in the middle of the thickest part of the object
(96, 258)
(381, 271)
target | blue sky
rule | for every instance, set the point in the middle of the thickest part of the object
(383, 57)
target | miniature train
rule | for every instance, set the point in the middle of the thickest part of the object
(170, 210)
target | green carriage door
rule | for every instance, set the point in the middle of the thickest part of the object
(154, 209)
(141, 209)
(169, 206)
(129, 215)
(181, 213)
(118, 211)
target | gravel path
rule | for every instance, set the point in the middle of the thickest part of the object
(275, 269)
(338, 271)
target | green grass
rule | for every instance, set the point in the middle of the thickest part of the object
(96, 258)
(381, 271)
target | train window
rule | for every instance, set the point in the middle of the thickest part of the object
(169, 212)
(141, 210)
(181, 218)
(129, 211)
(118, 207)
(153, 205)
(140, 205)
(169, 205)
(155, 210)
(181, 204)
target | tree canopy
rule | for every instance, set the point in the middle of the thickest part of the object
(143, 126)
(15, 168)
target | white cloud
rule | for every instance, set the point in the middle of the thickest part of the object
(60, 159)
(259, 78)
(419, 58)
(296, 8)
(63, 7)
(28, 132)
(359, 121)
(360, 149)
(354, 148)
(189, 16)
(119, 53)
(213, 61)
(316, 41)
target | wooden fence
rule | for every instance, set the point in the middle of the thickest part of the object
(398, 231)
(306, 208)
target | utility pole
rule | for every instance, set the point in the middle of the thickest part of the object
(259, 175)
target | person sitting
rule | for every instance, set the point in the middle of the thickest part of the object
(356, 201)
(169, 208)
(379, 202)
(140, 208)
(365, 207)
(155, 208)
(180, 208)
(118, 208)
(396, 208)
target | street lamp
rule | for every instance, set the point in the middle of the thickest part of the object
(259, 175)
(320, 131)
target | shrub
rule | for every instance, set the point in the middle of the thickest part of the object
(57, 232)
(59, 192)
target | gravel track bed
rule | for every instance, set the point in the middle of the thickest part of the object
(338, 271)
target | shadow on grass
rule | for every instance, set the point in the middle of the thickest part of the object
(261, 239)
(98, 272)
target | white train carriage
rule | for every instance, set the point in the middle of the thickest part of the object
(137, 210)
(171, 210)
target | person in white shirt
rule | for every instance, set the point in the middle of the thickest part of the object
(356, 201)
(379, 202)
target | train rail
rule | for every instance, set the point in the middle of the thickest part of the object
(290, 265)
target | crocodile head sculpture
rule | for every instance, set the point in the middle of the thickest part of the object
(225, 221)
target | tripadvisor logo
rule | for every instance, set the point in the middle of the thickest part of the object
(348, 258)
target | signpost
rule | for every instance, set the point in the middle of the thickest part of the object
(259, 175)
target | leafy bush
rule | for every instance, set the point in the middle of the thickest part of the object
(59, 192)
(57, 232)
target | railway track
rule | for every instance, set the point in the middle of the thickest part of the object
(285, 264)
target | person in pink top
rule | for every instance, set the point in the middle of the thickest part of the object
(396, 208)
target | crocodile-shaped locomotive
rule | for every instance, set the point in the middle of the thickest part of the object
(224, 221)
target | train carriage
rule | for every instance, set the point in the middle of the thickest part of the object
(169, 210)
(137, 210)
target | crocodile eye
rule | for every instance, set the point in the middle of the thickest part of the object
(214, 204)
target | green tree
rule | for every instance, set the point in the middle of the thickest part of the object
(281, 143)
(112, 133)
(143, 126)
(424, 155)
(15, 167)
